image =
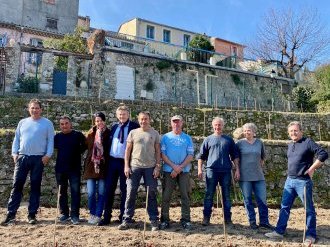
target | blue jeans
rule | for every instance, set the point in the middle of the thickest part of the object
(95, 190)
(212, 180)
(259, 190)
(74, 179)
(115, 172)
(133, 183)
(295, 187)
(23, 166)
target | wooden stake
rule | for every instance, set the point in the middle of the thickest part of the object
(305, 214)
(92, 116)
(234, 187)
(223, 216)
(145, 217)
(56, 215)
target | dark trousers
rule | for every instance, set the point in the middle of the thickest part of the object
(115, 172)
(169, 185)
(64, 179)
(23, 166)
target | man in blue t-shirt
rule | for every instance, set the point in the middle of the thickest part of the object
(218, 151)
(301, 167)
(70, 144)
(32, 148)
(177, 152)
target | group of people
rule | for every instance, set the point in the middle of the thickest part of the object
(129, 151)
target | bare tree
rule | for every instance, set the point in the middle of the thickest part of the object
(290, 38)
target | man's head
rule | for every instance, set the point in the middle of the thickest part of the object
(217, 125)
(144, 119)
(122, 113)
(295, 131)
(176, 124)
(65, 124)
(35, 109)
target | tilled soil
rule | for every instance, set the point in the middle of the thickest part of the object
(42, 234)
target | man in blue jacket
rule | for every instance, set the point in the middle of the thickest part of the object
(301, 167)
(115, 169)
(218, 151)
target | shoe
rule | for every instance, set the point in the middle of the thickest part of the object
(10, 218)
(253, 226)
(103, 222)
(91, 219)
(186, 225)
(273, 235)
(75, 220)
(97, 220)
(32, 219)
(64, 218)
(206, 221)
(154, 225)
(267, 226)
(123, 226)
(309, 241)
(164, 225)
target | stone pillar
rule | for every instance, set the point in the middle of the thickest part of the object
(71, 77)
(47, 70)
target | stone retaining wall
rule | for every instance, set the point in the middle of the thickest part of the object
(271, 125)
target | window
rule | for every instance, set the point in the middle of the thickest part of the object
(234, 51)
(150, 32)
(51, 23)
(167, 36)
(35, 58)
(186, 40)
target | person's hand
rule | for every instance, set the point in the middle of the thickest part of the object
(156, 172)
(127, 171)
(174, 174)
(310, 172)
(237, 175)
(45, 159)
(15, 158)
(177, 169)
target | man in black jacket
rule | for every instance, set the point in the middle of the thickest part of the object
(301, 167)
(70, 144)
(115, 169)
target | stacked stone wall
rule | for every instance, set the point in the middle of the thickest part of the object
(272, 125)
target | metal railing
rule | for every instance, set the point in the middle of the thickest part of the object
(173, 51)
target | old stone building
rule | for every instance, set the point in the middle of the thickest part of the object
(58, 16)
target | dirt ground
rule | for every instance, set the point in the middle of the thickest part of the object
(42, 234)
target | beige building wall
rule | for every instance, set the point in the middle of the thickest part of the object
(129, 28)
(138, 27)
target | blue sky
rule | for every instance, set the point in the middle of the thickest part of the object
(234, 20)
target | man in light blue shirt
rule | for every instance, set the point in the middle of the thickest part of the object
(31, 150)
(177, 152)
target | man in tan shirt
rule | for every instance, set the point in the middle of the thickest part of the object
(142, 159)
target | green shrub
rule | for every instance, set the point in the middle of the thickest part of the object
(28, 85)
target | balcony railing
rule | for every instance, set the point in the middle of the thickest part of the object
(143, 45)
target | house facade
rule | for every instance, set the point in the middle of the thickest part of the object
(157, 32)
(227, 48)
(58, 16)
